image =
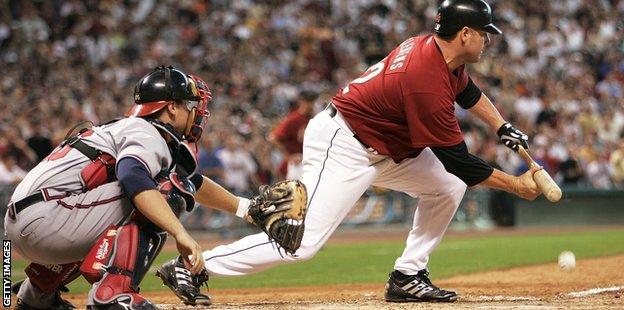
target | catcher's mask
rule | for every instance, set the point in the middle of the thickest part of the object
(165, 85)
(196, 121)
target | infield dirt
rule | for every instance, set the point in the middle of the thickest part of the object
(531, 287)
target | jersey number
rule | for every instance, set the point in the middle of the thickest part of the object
(369, 74)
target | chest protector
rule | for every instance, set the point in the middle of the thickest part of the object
(100, 170)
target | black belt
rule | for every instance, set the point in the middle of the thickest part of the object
(20, 205)
(332, 111)
(75, 142)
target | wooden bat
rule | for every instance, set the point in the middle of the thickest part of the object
(543, 180)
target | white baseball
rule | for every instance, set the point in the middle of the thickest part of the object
(567, 261)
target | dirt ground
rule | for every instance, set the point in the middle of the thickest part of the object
(533, 287)
(596, 283)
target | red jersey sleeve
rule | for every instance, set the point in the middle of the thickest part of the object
(462, 80)
(431, 120)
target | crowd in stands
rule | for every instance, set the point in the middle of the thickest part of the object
(557, 73)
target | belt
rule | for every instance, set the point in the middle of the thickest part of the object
(20, 205)
(332, 111)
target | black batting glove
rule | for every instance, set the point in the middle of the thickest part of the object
(512, 137)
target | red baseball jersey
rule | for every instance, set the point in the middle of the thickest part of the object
(405, 102)
(289, 131)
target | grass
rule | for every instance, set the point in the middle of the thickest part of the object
(371, 262)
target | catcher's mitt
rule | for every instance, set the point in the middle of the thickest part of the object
(279, 210)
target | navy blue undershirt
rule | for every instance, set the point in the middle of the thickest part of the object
(134, 176)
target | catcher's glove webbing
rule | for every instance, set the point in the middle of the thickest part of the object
(279, 210)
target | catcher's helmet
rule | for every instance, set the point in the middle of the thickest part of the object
(453, 15)
(167, 84)
(159, 87)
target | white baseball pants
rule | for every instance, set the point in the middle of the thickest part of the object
(63, 231)
(337, 170)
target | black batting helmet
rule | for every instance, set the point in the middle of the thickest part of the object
(453, 15)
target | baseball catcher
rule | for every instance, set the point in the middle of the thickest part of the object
(279, 210)
(102, 204)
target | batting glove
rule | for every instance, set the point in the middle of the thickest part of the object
(512, 137)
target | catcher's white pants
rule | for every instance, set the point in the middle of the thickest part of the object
(337, 169)
(63, 231)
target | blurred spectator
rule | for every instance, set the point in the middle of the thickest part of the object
(502, 204)
(208, 163)
(570, 169)
(617, 164)
(557, 72)
(288, 135)
(39, 143)
(10, 172)
(239, 168)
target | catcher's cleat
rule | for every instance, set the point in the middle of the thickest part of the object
(185, 285)
(114, 292)
(128, 301)
(58, 304)
(415, 288)
(106, 299)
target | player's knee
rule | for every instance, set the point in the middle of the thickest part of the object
(455, 190)
(305, 252)
(459, 188)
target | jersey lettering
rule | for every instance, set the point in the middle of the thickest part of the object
(400, 58)
(367, 76)
(58, 153)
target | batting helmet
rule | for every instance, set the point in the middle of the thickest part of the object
(453, 15)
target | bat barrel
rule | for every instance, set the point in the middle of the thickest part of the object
(546, 184)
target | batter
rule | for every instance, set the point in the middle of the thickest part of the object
(395, 127)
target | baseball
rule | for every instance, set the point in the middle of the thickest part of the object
(567, 261)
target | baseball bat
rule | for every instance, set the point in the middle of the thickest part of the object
(543, 180)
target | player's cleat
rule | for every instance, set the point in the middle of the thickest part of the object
(128, 301)
(58, 304)
(185, 285)
(415, 288)
(113, 292)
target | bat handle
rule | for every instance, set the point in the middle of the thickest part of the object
(526, 157)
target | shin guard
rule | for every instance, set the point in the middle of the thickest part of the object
(133, 252)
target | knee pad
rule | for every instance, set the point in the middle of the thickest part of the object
(48, 278)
